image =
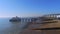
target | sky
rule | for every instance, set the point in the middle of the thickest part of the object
(28, 8)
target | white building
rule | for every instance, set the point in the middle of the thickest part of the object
(52, 15)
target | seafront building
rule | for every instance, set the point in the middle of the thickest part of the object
(52, 15)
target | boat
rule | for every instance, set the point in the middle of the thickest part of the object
(15, 19)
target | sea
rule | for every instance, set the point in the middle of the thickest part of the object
(7, 27)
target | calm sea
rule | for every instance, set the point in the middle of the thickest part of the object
(7, 27)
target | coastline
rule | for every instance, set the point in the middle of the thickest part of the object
(33, 28)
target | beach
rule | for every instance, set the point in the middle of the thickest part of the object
(49, 28)
(7, 27)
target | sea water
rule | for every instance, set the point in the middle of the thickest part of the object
(7, 27)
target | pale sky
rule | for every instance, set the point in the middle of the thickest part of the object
(28, 8)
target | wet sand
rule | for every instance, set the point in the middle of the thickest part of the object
(29, 31)
(30, 28)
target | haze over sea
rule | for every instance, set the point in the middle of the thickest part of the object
(7, 27)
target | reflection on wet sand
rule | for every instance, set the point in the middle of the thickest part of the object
(15, 28)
